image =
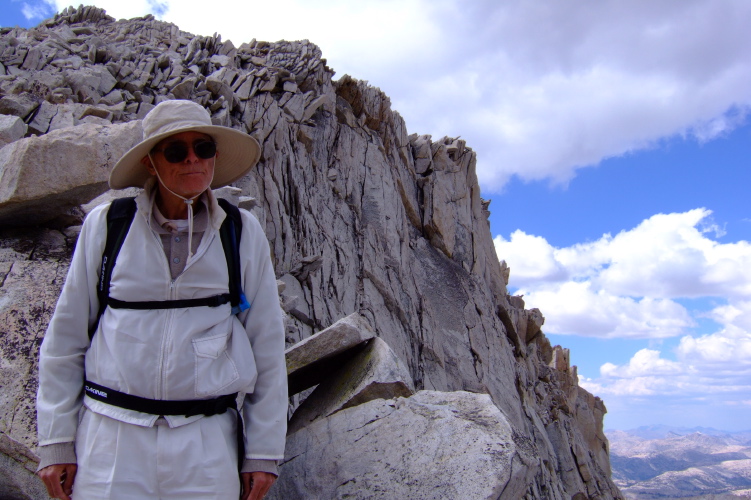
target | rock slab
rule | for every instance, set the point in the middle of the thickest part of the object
(41, 176)
(313, 359)
(12, 128)
(373, 373)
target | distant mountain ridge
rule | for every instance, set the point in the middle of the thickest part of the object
(673, 462)
(661, 431)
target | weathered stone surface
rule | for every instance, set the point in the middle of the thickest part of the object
(313, 359)
(42, 177)
(27, 258)
(12, 128)
(107, 197)
(433, 445)
(294, 301)
(17, 466)
(373, 373)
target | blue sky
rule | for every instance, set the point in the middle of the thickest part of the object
(614, 140)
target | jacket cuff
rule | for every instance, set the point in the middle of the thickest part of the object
(257, 465)
(58, 453)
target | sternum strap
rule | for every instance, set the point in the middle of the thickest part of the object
(213, 301)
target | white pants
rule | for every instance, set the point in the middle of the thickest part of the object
(118, 461)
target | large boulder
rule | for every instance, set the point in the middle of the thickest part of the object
(432, 445)
(44, 177)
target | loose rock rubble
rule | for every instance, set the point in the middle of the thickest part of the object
(362, 217)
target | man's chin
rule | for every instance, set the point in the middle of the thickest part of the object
(192, 191)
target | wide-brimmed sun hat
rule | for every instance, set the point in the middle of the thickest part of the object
(238, 152)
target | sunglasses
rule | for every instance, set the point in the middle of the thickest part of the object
(177, 151)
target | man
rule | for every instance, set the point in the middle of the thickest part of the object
(119, 439)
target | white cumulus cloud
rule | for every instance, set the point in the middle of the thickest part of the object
(629, 286)
(579, 308)
(709, 367)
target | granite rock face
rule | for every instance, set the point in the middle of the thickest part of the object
(362, 217)
(33, 266)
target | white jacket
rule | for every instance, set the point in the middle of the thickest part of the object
(170, 354)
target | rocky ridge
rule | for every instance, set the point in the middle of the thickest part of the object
(362, 217)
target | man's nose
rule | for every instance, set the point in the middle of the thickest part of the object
(192, 157)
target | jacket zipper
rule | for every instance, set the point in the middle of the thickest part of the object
(166, 340)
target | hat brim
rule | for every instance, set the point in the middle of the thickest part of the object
(238, 153)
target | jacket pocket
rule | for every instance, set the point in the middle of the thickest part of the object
(214, 368)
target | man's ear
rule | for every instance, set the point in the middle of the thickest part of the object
(146, 162)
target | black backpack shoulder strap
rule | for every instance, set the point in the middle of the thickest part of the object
(230, 233)
(119, 218)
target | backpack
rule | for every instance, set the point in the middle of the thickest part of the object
(119, 218)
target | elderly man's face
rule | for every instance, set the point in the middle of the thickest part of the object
(189, 177)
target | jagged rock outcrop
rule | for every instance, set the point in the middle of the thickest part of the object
(346, 374)
(361, 217)
(364, 433)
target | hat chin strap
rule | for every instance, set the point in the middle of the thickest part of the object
(188, 201)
